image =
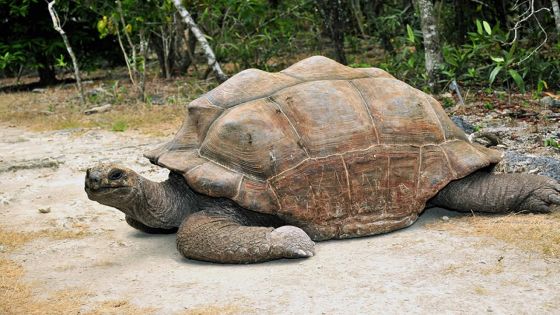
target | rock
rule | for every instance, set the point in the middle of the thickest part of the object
(45, 210)
(549, 101)
(487, 139)
(97, 91)
(99, 109)
(39, 90)
(29, 164)
(156, 100)
(515, 162)
(463, 124)
(445, 218)
(4, 201)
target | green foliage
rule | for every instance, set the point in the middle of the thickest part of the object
(28, 40)
(550, 142)
(448, 102)
(489, 52)
(251, 33)
(271, 34)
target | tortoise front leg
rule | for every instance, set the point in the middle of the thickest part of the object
(497, 193)
(227, 233)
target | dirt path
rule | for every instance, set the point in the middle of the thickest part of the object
(417, 270)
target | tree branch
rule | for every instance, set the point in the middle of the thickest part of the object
(58, 28)
(202, 40)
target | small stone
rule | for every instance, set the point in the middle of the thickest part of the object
(550, 101)
(462, 123)
(2, 249)
(97, 91)
(4, 201)
(445, 218)
(98, 109)
(489, 309)
(156, 100)
(45, 210)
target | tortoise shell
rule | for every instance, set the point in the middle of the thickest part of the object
(337, 151)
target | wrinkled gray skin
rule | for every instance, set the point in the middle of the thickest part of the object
(218, 230)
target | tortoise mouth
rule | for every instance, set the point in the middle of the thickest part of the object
(92, 190)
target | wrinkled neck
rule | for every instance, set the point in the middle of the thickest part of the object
(165, 204)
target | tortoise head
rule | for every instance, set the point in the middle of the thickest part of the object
(112, 185)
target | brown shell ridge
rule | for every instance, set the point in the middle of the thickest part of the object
(300, 140)
(451, 168)
(367, 109)
(347, 179)
(289, 86)
(295, 77)
(230, 169)
(417, 188)
(434, 115)
(273, 190)
(387, 145)
(236, 196)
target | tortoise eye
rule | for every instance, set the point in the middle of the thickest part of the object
(115, 174)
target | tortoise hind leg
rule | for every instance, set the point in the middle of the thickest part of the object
(498, 193)
(146, 229)
(227, 233)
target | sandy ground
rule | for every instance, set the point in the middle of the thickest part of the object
(417, 270)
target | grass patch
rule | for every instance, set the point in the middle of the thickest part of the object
(13, 239)
(119, 125)
(18, 297)
(531, 232)
(59, 108)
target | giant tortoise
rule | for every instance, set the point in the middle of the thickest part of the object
(267, 163)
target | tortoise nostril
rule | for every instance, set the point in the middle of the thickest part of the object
(93, 176)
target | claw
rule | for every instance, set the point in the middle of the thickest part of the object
(301, 253)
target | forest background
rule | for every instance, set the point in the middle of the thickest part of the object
(477, 47)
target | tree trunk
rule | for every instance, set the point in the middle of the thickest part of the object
(58, 28)
(202, 40)
(556, 10)
(188, 56)
(372, 11)
(431, 41)
(460, 25)
(47, 75)
(332, 12)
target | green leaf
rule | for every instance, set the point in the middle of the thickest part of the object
(487, 27)
(494, 73)
(518, 79)
(541, 86)
(497, 59)
(478, 27)
(410, 33)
